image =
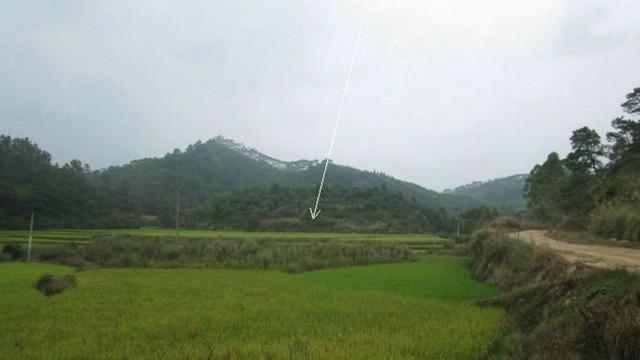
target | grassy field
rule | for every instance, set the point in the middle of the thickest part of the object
(414, 310)
(436, 277)
(44, 239)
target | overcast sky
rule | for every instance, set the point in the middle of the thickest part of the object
(443, 93)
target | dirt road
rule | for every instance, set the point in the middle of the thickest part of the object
(593, 255)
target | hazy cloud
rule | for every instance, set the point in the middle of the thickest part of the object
(443, 92)
(591, 26)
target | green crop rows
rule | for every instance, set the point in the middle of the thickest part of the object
(414, 310)
(43, 239)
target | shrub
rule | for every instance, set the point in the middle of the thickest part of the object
(482, 235)
(560, 311)
(50, 285)
(572, 223)
(618, 222)
(13, 251)
(292, 255)
(506, 223)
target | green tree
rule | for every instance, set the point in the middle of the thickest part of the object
(584, 163)
(587, 151)
(478, 217)
(284, 208)
(624, 153)
(543, 188)
(61, 196)
(625, 137)
(581, 186)
(632, 104)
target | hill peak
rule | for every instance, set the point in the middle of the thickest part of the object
(240, 148)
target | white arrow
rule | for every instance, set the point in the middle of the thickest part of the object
(315, 212)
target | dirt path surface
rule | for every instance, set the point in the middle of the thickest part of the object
(593, 255)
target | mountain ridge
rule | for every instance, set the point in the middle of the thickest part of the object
(505, 191)
(205, 169)
(304, 165)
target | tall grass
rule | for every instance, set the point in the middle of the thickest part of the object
(437, 277)
(262, 254)
(54, 238)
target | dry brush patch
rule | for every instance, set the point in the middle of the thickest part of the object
(560, 310)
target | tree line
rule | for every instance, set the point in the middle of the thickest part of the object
(286, 208)
(596, 186)
(62, 196)
(218, 189)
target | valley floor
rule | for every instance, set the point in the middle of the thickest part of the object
(393, 311)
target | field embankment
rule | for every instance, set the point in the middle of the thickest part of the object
(560, 309)
(46, 239)
(262, 254)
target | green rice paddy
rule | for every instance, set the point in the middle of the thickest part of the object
(396, 311)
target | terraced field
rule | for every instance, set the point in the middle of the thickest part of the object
(43, 239)
(397, 311)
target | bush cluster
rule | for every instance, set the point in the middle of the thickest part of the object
(560, 311)
(12, 252)
(266, 254)
(621, 222)
(345, 209)
(51, 285)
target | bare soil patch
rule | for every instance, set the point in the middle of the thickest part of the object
(600, 256)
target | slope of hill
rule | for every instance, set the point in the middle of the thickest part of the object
(206, 169)
(353, 209)
(502, 192)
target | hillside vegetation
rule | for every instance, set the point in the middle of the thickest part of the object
(506, 192)
(558, 310)
(209, 168)
(145, 192)
(281, 208)
(597, 185)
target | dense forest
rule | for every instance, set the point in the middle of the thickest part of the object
(61, 196)
(285, 208)
(597, 185)
(205, 169)
(216, 187)
(506, 193)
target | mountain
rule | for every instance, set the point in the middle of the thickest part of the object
(501, 192)
(205, 169)
(300, 165)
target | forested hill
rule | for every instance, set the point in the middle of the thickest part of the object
(285, 208)
(210, 168)
(596, 187)
(145, 191)
(502, 192)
